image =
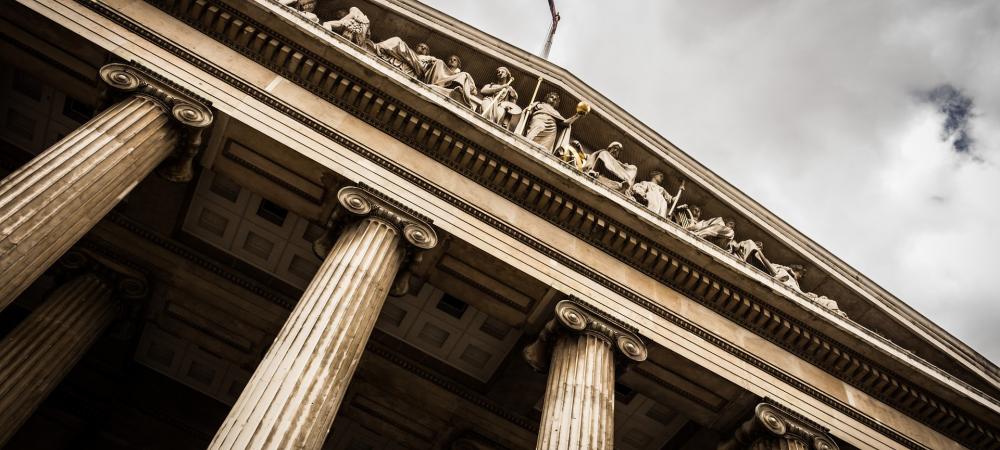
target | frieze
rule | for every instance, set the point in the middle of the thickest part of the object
(691, 280)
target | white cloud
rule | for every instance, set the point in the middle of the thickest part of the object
(814, 110)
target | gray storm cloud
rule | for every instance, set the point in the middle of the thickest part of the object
(809, 108)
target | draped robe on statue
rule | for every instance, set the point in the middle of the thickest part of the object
(498, 103)
(602, 162)
(715, 230)
(540, 123)
(749, 251)
(656, 198)
(396, 52)
(451, 82)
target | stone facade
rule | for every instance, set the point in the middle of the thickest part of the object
(387, 243)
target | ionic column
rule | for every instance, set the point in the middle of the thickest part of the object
(773, 427)
(37, 355)
(54, 199)
(579, 348)
(293, 396)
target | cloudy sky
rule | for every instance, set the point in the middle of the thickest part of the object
(872, 127)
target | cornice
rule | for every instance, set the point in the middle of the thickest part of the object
(677, 272)
(693, 170)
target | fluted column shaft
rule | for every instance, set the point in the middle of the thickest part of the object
(579, 348)
(579, 406)
(54, 199)
(779, 443)
(293, 396)
(37, 354)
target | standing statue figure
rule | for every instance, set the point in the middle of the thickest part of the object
(353, 25)
(542, 124)
(500, 99)
(605, 166)
(652, 194)
(304, 7)
(448, 79)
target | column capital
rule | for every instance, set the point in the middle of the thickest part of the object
(184, 106)
(187, 109)
(773, 421)
(362, 201)
(573, 316)
(125, 282)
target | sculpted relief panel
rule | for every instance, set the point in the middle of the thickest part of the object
(541, 124)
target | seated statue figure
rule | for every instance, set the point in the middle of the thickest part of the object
(716, 230)
(652, 194)
(788, 275)
(605, 164)
(542, 124)
(752, 252)
(353, 25)
(304, 7)
(500, 99)
(449, 79)
(686, 216)
(573, 154)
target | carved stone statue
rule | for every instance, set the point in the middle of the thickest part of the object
(448, 78)
(788, 275)
(827, 303)
(542, 124)
(605, 164)
(652, 194)
(753, 253)
(686, 216)
(573, 154)
(353, 25)
(716, 230)
(397, 53)
(305, 8)
(500, 99)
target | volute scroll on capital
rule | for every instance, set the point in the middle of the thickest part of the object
(575, 316)
(188, 110)
(125, 282)
(415, 230)
(771, 421)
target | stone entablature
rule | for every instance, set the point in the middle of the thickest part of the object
(873, 306)
(407, 125)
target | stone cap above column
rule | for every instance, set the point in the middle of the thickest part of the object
(576, 316)
(185, 107)
(415, 229)
(771, 420)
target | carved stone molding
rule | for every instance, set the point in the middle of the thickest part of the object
(576, 317)
(364, 202)
(126, 283)
(188, 110)
(773, 426)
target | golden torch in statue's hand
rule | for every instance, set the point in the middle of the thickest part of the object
(582, 108)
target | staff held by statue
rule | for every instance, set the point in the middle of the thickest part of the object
(677, 198)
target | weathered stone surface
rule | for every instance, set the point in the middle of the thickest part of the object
(37, 354)
(294, 395)
(53, 200)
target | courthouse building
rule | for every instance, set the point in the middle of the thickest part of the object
(363, 224)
